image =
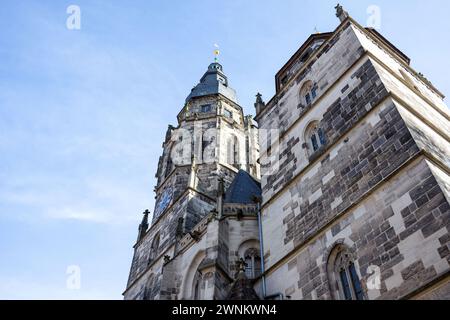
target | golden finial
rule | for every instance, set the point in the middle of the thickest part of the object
(216, 52)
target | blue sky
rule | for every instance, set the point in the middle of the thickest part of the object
(83, 114)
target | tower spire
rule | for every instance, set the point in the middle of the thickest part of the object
(143, 227)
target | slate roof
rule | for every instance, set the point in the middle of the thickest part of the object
(243, 189)
(214, 81)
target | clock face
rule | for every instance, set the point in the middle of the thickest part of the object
(163, 201)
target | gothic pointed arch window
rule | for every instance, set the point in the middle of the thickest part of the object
(343, 276)
(252, 263)
(154, 249)
(149, 288)
(169, 164)
(308, 93)
(209, 147)
(314, 136)
(233, 151)
(198, 286)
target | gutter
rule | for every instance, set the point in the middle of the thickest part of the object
(261, 248)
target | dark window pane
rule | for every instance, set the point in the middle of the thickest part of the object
(196, 291)
(314, 142)
(206, 108)
(321, 137)
(257, 266)
(345, 285)
(169, 167)
(249, 269)
(314, 93)
(308, 99)
(356, 283)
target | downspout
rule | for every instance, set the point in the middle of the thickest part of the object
(261, 246)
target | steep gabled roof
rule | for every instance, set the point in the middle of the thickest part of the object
(243, 189)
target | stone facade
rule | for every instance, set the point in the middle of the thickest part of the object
(354, 193)
(200, 231)
(376, 186)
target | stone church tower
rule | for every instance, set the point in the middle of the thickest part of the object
(355, 147)
(205, 219)
(353, 200)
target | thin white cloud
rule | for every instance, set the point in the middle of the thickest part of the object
(91, 201)
(14, 288)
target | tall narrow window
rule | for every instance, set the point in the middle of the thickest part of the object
(308, 93)
(313, 92)
(149, 288)
(169, 166)
(227, 113)
(345, 285)
(252, 263)
(315, 137)
(233, 154)
(343, 277)
(206, 108)
(154, 249)
(308, 99)
(198, 286)
(356, 283)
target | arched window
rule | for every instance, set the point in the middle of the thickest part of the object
(198, 286)
(315, 137)
(233, 151)
(209, 147)
(252, 263)
(169, 164)
(149, 288)
(343, 277)
(308, 93)
(154, 249)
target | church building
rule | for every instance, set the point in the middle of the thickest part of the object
(204, 231)
(348, 198)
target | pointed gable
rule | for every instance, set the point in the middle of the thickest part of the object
(243, 188)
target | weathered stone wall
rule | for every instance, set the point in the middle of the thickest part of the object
(442, 292)
(369, 153)
(192, 208)
(216, 251)
(426, 138)
(394, 65)
(402, 228)
(443, 178)
(369, 186)
(349, 102)
(330, 64)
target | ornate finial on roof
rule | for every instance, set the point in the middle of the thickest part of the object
(144, 225)
(259, 104)
(216, 53)
(259, 98)
(341, 13)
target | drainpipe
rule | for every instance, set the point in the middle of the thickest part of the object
(261, 245)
